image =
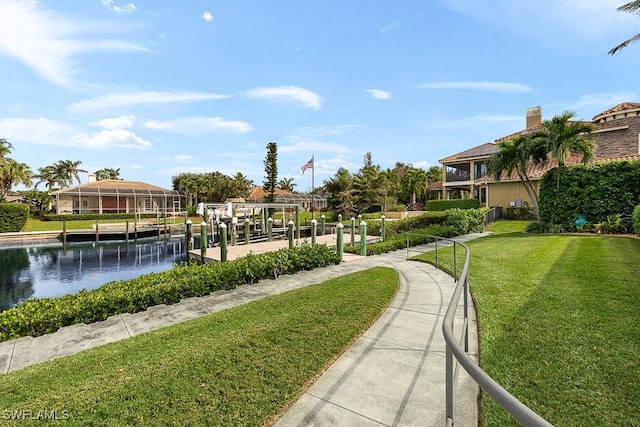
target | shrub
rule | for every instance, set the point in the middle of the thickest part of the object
(594, 190)
(614, 224)
(41, 316)
(526, 214)
(13, 217)
(399, 241)
(635, 219)
(443, 205)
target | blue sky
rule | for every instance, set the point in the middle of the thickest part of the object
(161, 87)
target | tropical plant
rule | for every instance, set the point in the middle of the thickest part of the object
(49, 175)
(631, 7)
(107, 173)
(561, 136)
(5, 147)
(69, 170)
(13, 173)
(516, 154)
(287, 184)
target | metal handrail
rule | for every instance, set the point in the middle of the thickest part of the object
(459, 348)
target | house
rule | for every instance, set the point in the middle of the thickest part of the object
(117, 196)
(465, 174)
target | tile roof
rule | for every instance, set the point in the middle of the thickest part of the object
(259, 193)
(620, 107)
(484, 150)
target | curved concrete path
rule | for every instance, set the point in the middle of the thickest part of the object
(394, 374)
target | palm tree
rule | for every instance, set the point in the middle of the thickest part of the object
(49, 175)
(340, 182)
(68, 169)
(517, 154)
(5, 148)
(631, 7)
(107, 173)
(415, 182)
(242, 185)
(13, 173)
(561, 136)
(287, 184)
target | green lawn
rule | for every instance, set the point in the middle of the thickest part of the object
(241, 366)
(559, 327)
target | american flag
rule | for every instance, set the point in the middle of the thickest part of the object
(307, 165)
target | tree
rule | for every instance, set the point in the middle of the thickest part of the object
(49, 175)
(13, 173)
(415, 183)
(5, 148)
(271, 172)
(287, 184)
(242, 185)
(517, 154)
(561, 136)
(631, 7)
(340, 188)
(70, 169)
(107, 173)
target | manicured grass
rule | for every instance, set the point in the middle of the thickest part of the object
(559, 328)
(241, 366)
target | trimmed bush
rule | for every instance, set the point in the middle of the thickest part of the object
(594, 190)
(443, 205)
(41, 316)
(399, 241)
(13, 217)
(520, 214)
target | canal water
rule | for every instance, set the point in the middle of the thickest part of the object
(51, 270)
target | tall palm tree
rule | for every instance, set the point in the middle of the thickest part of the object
(631, 7)
(242, 185)
(561, 136)
(517, 154)
(69, 169)
(5, 148)
(49, 175)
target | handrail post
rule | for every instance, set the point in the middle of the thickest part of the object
(449, 386)
(455, 263)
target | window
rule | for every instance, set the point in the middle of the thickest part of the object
(459, 172)
(479, 170)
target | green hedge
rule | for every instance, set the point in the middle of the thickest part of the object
(443, 205)
(635, 219)
(526, 214)
(13, 217)
(41, 316)
(399, 241)
(451, 223)
(595, 190)
(83, 217)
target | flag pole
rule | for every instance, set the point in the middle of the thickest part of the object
(313, 177)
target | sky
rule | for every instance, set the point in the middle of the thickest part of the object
(160, 87)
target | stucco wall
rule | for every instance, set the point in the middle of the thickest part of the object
(503, 193)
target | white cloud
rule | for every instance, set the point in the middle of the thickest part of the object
(36, 131)
(479, 85)
(111, 138)
(195, 125)
(129, 7)
(290, 93)
(207, 16)
(138, 98)
(596, 103)
(551, 18)
(182, 157)
(122, 122)
(379, 93)
(47, 42)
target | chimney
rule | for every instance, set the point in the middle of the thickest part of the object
(534, 117)
(92, 177)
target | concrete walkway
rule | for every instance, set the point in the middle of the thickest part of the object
(394, 374)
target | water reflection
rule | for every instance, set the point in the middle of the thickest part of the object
(53, 270)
